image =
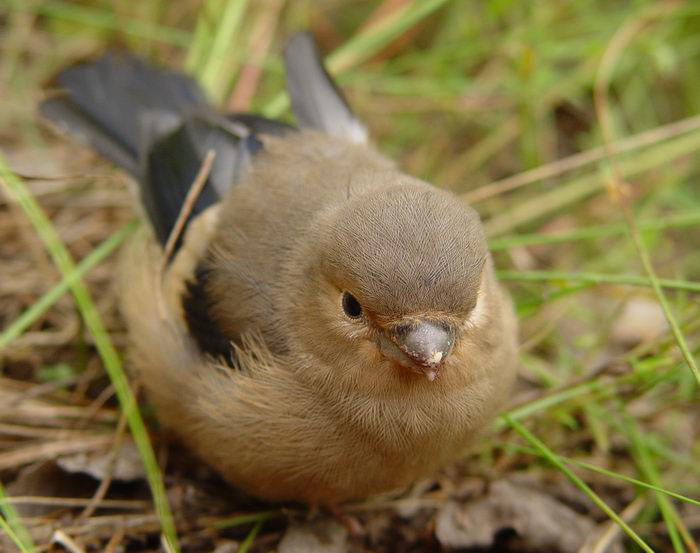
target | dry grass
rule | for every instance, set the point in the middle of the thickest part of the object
(494, 100)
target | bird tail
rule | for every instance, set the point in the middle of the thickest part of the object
(112, 104)
(316, 100)
(156, 124)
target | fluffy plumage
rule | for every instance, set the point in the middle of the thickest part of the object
(329, 328)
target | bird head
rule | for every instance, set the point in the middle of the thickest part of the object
(399, 278)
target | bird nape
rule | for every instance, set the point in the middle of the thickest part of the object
(325, 327)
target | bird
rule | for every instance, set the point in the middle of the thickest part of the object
(312, 322)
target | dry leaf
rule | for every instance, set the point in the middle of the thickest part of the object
(127, 466)
(322, 536)
(540, 520)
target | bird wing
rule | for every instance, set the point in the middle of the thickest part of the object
(316, 101)
(157, 125)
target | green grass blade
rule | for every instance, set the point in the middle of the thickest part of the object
(580, 484)
(657, 284)
(104, 346)
(550, 400)
(615, 172)
(98, 18)
(217, 27)
(366, 44)
(40, 306)
(12, 525)
(596, 278)
(5, 527)
(247, 543)
(579, 188)
(606, 472)
(593, 232)
(650, 472)
(247, 519)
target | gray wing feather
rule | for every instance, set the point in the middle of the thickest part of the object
(71, 120)
(316, 101)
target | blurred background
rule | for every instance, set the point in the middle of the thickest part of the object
(572, 127)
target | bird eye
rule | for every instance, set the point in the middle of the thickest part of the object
(351, 306)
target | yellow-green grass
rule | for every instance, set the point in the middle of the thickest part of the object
(465, 94)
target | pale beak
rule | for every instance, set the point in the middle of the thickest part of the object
(421, 345)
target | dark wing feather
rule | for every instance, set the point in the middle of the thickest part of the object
(170, 166)
(203, 328)
(157, 125)
(116, 90)
(261, 125)
(70, 119)
(316, 101)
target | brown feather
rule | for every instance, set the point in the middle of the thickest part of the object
(315, 413)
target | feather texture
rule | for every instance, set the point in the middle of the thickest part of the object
(318, 408)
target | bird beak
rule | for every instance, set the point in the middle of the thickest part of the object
(421, 346)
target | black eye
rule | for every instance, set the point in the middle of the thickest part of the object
(351, 306)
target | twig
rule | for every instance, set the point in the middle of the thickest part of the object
(193, 193)
(96, 406)
(114, 541)
(60, 537)
(576, 161)
(75, 502)
(51, 450)
(99, 494)
(609, 532)
(258, 46)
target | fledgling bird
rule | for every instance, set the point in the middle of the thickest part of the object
(326, 327)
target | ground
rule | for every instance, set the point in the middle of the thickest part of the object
(571, 127)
